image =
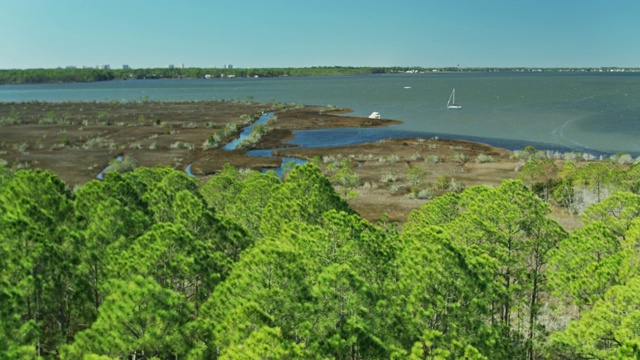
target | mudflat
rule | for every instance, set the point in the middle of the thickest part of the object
(77, 140)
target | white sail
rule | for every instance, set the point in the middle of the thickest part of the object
(451, 104)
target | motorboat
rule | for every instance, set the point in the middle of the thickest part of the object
(375, 115)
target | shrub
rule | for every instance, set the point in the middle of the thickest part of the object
(416, 175)
(391, 159)
(51, 118)
(425, 194)
(433, 159)
(367, 185)
(256, 134)
(518, 155)
(22, 147)
(443, 182)
(316, 161)
(328, 159)
(622, 158)
(126, 164)
(415, 156)
(396, 188)
(421, 194)
(190, 125)
(247, 118)
(461, 159)
(165, 125)
(99, 143)
(10, 121)
(482, 159)
(389, 177)
(572, 156)
(182, 145)
(331, 169)
(456, 186)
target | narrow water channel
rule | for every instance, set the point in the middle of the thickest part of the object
(246, 131)
(100, 175)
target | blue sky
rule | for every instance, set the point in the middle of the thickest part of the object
(300, 33)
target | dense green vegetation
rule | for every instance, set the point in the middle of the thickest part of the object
(67, 75)
(152, 264)
(34, 76)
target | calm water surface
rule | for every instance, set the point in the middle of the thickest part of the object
(595, 112)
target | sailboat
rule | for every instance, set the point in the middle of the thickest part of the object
(451, 104)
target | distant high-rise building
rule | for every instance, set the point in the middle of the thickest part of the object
(171, 66)
(182, 66)
(228, 66)
(126, 67)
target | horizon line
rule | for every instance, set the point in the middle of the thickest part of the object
(108, 67)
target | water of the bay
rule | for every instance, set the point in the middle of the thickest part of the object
(592, 112)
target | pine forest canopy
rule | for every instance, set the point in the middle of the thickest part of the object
(154, 264)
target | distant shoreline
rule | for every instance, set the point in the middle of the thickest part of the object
(92, 74)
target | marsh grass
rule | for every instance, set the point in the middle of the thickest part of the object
(483, 159)
(182, 145)
(389, 177)
(128, 163)
(389, 159)
(433, 159)
(100, 143)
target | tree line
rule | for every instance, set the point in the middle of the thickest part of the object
(244, 265)
(59, 75)
(75, 75)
